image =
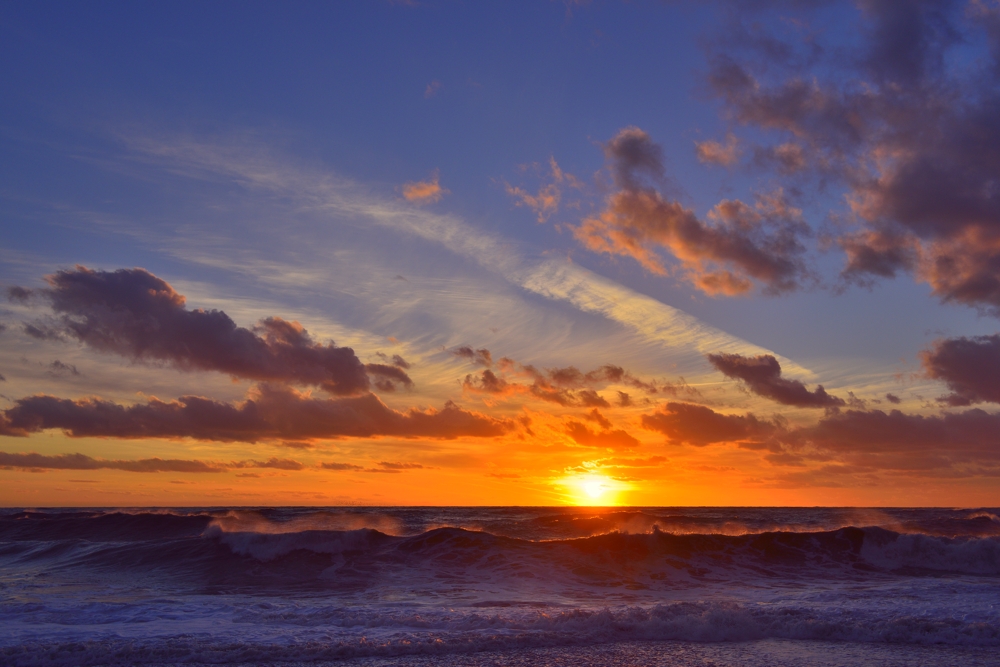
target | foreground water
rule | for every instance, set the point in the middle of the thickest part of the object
(500, 586)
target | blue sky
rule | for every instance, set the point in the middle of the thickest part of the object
(257, 157)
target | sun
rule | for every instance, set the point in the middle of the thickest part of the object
(592, 489)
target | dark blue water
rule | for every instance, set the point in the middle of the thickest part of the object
(470, 586)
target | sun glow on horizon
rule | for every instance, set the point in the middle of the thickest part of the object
(592, 489)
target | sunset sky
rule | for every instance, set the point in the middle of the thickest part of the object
(489, 253)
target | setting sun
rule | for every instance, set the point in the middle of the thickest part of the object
(592, 489)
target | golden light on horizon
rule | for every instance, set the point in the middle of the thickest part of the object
(592, 489)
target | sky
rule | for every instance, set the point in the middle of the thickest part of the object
(478, 253)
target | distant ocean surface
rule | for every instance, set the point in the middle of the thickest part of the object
(500, 586)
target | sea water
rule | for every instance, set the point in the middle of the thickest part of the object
(500, 586)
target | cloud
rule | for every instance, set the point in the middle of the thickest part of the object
(383, 467)
(137, 315)
(596, 416)
(273, 462)
(387, 377)
(616, 439)
(19, 294)
(425, 192)
(481, 357)
(913, 138)
(966, 440)
(567, 386)
(340, 466)
(762, 375)
(400, 466)
(546, 200)
(83, 462)
(701, 426)
(257, 170)
(740, 245)
(273, 412)
(59, 369)
(969, 366)
(395, 360)
(953, 444)
(713, 152)
(432, 89)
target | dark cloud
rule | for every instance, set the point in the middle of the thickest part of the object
(133, 313)
(400, 466)
(41, 332)
(59, 369)
(912, 137)
(616, 439)
(272, 413)
(489, 383)
(953, 444)
(83, 462)
(339, 466)
(18, 294)
(897, 441)
(386, 377)
(383, 467)
(762, 375)
(589, 398)
(892, 398)
(481, 357)
(739, 246)
(969, 366)
(700, 426)
(634, 159)
(400, 362)
(273, 462)
(596, 416)
(567, 386)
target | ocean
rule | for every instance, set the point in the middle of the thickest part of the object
(475, 586)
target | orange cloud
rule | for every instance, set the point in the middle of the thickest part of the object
(713, 152)
(738, 246)
(546, 200)
(425, 192)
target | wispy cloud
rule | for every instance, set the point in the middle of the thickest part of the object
(254, 167)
